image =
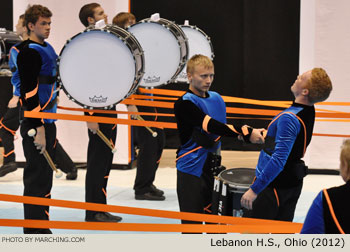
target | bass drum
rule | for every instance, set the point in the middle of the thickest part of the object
(165, 47)
(7, 40)
(198, 43)
(98, 68)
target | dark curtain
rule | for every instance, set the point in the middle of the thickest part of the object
(256, 46)
(6, 14)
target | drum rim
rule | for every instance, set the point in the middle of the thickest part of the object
(137, 75)
(184, 57)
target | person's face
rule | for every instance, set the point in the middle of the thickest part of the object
(41, 29)
(129, 23)
(298, 87)
(201, 79)
(20, 29)
(344, 170)
(99, 14)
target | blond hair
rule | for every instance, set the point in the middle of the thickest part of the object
(198, 60)
(319, 85)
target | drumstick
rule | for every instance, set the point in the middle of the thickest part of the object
(105, 139)
(154, 134)
(58, 173)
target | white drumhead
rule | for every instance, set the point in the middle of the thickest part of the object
(162, 53)
(96, 69)
(198, 43)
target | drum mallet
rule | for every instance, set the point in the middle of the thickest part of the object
(105, 139)
(58, 173)
(154, 134)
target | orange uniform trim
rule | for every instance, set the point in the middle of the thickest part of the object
(104, 191)
(245, 130)
(13, 132)
(48, 101)
(206, 209)
(8, 154)
(32, 93)
(205, 123)
(15, 49)
(199, 147)
(47, 213)
(233, 129)
(302, 123)
(277, 198)
(37, 109)
(325, 193)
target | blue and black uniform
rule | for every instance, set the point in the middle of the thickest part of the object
(150, 152)
(10, 122)
(280, 170)
(37, 72)
(200, 121)
(329, 212)
(99, 164)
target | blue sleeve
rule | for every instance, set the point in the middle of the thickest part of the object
(288, 127)
(15, 76)
(314, 221)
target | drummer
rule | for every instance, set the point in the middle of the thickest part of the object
(280, 170)
(201, 120)
(36, 59)
(150, 148)
(99, 156)
(10, 121)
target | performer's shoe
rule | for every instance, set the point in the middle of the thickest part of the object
(104, 217)
(149, 196)
(156, 191)
(72, 175)
(37, 231)
(7, 168)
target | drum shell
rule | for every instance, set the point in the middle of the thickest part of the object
(231, 184)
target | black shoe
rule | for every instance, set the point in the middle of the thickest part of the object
(149, 196)
(104, 217)
(36, 231)
(7, 168)
(73, 174)
(156, 191)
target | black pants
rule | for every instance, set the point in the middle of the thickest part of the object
(150, 151)
(194, 193)
(62, 159)
(37, 174)
(99, 163)
(10, 121)
(275, 204)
